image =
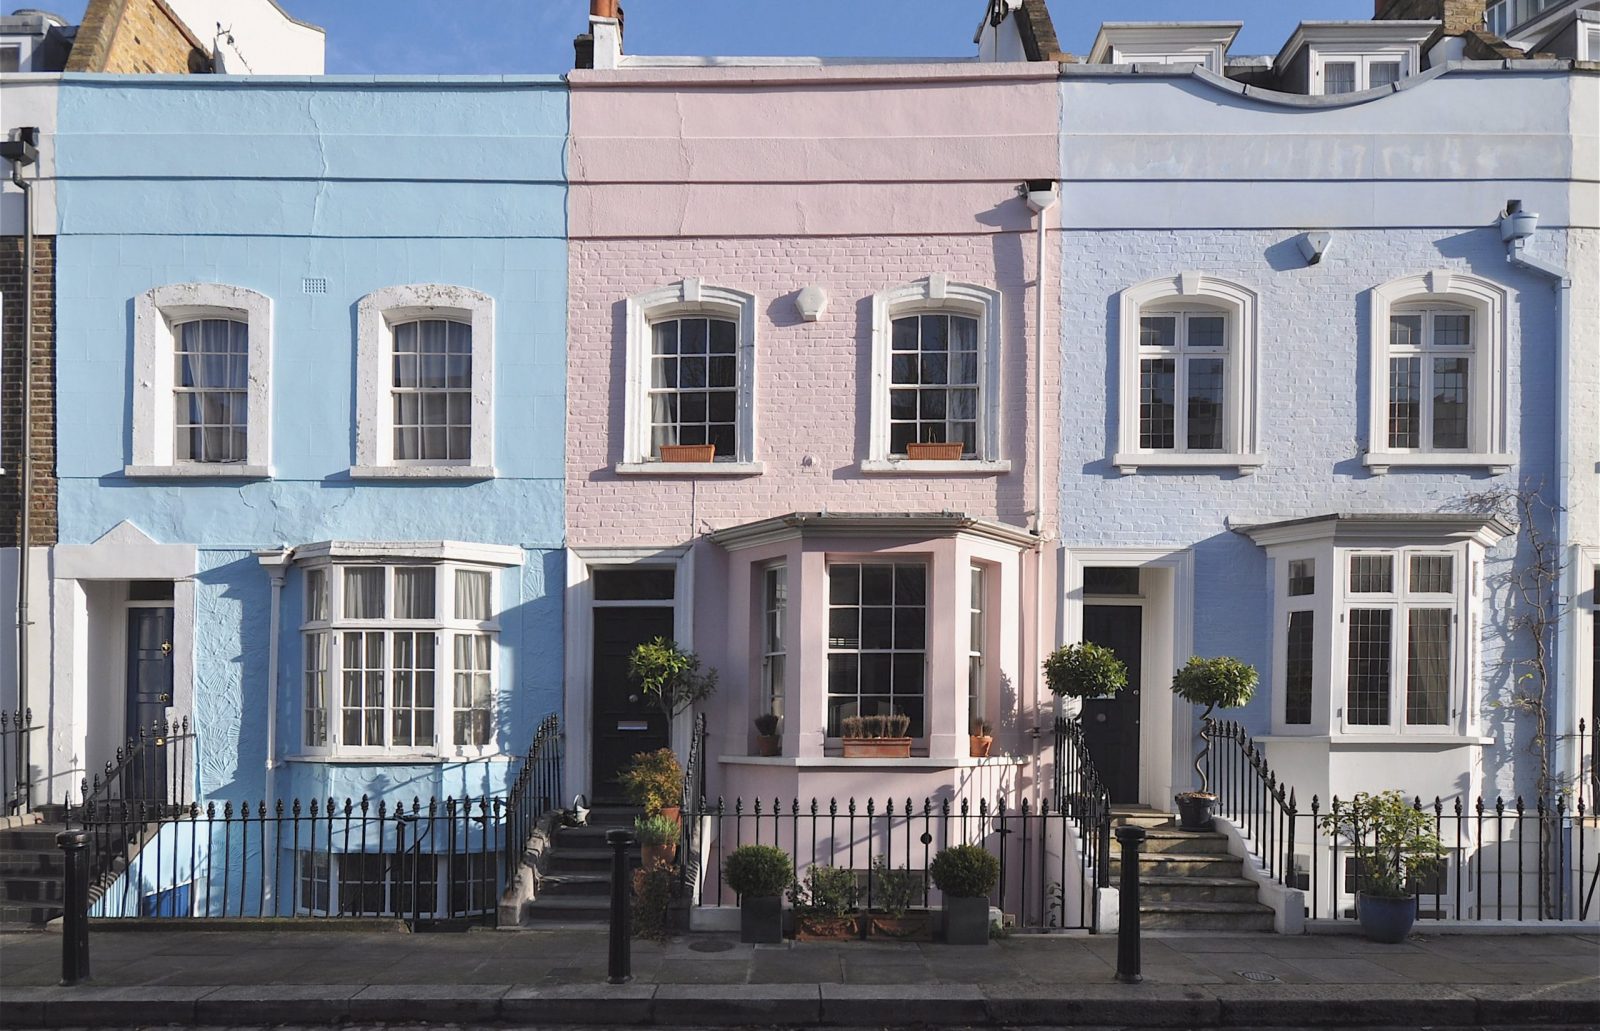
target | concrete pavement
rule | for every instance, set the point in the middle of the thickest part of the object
(557, 976)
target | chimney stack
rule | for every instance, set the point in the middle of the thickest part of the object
(1458, 16)
(603, 8)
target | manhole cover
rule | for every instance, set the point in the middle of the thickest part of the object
(1258, 977)
(715, 945)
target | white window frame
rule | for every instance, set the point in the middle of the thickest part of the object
(932, 295)
(156, 315)
(1316, 604)
(689, 297)
(1190, 291)
(929, 566)
(445, 559)
(774, 646)
(1487, 416)
(376, 316)
(1363, 60)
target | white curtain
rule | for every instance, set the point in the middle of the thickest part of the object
(413, 593)
(472, 595)
(363, 593)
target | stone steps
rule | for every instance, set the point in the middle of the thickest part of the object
(32, 880)
(575, 888)
(1188, 880)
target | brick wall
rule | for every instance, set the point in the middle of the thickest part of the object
(44, 401)
(1458, 15)
(135, 36)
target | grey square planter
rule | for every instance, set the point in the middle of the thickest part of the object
(966, 921)
(761, 919)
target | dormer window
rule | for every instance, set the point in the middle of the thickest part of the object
(1352, 73)
(1196, 44)
(1330, 59)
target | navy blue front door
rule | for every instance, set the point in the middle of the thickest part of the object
(149, 695)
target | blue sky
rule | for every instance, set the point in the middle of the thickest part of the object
(429, 37)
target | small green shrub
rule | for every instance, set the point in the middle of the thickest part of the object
(964, 871)
(894, 891)
(1084, 670)
(767, 725)
(653, 780)
(1219, 683)
(758, 870)
(827, 891)
(655, 830)
(669, 676)
(1394, 842)
(652, 903)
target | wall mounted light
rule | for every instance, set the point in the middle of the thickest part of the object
(1314, 246)
(811, 303)
(1516, 224)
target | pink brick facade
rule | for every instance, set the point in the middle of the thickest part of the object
(856, 180)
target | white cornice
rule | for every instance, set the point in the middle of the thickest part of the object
(822, 525)
(1358, 529)
(434, 551)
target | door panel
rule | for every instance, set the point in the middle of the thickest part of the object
(625, 722)
(1111, 725)
(149, 695)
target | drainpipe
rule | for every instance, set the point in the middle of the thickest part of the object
(1516, 228)
(1041, 196)
(22, 150)
(276, 562)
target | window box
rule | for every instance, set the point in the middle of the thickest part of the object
(876, 747)
(934, 452)
(688, 452)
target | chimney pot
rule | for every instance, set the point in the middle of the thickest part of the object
(603, 8)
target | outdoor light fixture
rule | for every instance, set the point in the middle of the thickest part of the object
(1516, 224)
(1314, 246)
(811, 303)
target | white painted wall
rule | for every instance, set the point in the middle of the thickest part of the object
(30, 100)
(265, 39)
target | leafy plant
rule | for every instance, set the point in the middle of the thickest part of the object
(896, 724)
(652, 903)
(981, 727)
(964, 871)
(894, 891)
(828, 891)
(767, 725)
(655, 830)
(653, 780)
(1219, 683)
(1393, 841)
(758, 870)
(1084, 670)
(670, 676)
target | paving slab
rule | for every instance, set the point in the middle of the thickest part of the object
(273, 1004)
(733, 1005)
(889, 1005)
(474, 1004)
(1304, 1005)
(1105, 1005)
(610, 1004)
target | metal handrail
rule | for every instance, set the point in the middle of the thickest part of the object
(1082, 794)
(1251, 796)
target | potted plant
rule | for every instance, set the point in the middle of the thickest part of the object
(670, 676)
(653, 889)
(929, 451)
(654, 782)
(876, 737)
(1084, 670)
(895, 893)
(825, 905)
(1393, 842)
(658, 840)
(965, 874)
(767, 740)
(688, 452)
(1221, 682)
(981, 738)
(760, 874)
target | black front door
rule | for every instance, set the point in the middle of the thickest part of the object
(625, 722)
(149, 695)
(1111, 725)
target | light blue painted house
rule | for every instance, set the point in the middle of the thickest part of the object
(311, 396)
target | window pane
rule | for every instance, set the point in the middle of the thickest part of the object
(363, 593)
(1383, 73)
(1428, 666)
(316, 595)
(1339, 77)
(1405, 402)
(877, 630)
(1431, 574)
(1405, 331)
(472, 696)
(1298, 668)
(316, 689)
(472, 594)
(1206, 331)
(633, 584)
(1302, 577)
(413, 593)
(1205, 404)
(1369, 665)
(1157, 403)
(1371, 574)
(1450, 402)
(1453, 329)
(1158, 331)
(1123, 580)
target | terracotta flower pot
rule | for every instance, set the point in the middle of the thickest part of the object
(673, 813)
(769, 744)
(980, 745)
(655, 857)
(811, 928)
(688, 452)
(915, 925)
(876, 747)
(934, 452)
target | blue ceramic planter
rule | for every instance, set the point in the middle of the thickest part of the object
(1386, 920)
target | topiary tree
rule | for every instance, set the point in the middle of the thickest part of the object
(1221, 682)
(1084, 670)
(964, 871)
(758, 870)
(670, 676)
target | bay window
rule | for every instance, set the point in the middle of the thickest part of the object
(774, 660)
(877, 641)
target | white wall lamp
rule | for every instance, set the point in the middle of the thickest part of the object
(811, 303)
(1314, 246)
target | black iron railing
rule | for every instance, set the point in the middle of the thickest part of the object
(1083, 796)
(1041, 883)
(1250, 796)
(16, 761)
(535, 792)
(694, 801)
(152, 767)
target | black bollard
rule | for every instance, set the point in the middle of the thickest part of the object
(1128, 906)
(74, 846)
(620, 970)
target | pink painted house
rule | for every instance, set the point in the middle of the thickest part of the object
(813, 266)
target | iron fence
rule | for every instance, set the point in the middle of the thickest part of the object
(1084, 797)
(1250, 795)
(535, 792)
(16, 761)
(1043, 881)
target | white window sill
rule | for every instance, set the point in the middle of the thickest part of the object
(916, 762)
(395, 758)
(422, 472)
(689, 468)
(1129, 462)
(1403, 740)
(197, 471)
(1380, 462)
(907, 467)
